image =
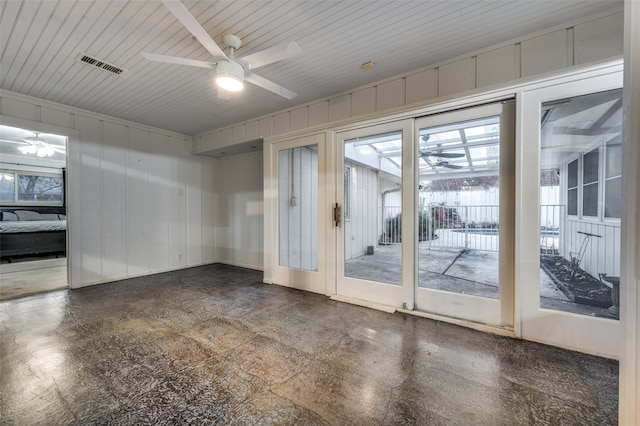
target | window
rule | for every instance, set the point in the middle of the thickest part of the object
(28, 188)
(613, 178)
(572, 188)
(590, 173)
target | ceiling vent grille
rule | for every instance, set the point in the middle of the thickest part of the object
(98, 63)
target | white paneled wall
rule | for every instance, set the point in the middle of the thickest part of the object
(361, 229)
(239, 235)
(592, 39)
(298, 208)
(138, 201)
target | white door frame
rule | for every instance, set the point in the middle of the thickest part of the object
(597, 336)
(382, 294)
(274, 273)
(492, 312)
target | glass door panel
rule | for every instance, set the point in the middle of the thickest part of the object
(580, 203)
(298, 207)
(465, 214)
(569, 234)
(372, 258)
(372, 206)
(459, 207)
(294, 197)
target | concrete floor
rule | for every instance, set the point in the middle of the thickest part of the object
(26, 276)
(455, 270)
(214, 345)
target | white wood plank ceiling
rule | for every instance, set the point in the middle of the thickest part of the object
(40, 42)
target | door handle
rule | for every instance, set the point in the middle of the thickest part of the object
(336, 215)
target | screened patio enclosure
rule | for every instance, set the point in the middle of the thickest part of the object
(458, 204)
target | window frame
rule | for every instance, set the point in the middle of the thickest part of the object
(16, 188)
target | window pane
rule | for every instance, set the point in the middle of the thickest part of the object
(373, 235)
(7, 187)
(613, 197)
(298, 207)
(572, 174)
(572, 202)
(40, 189)
(590, 167)
(579, 250)
(614, 157)
(458, 210)
(590, 200)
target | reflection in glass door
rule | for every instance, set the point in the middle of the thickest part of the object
(580, 204)
(465, 170)
(372, 208)
(294, 197)
(298, 207)
(459, 207)
(374, 233)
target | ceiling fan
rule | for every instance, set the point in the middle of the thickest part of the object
(231, 72)
(36, 145)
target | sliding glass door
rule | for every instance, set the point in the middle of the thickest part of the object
(465, 215)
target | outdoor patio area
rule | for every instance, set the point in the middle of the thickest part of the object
(463, 271)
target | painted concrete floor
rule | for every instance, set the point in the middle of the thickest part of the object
(32, 276)
(467, 272)
(214, 345)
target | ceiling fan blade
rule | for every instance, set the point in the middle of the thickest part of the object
(451, 166)
(271, 55)
(176, 60)
(269, 85)
(186, 18)
(443, 154)
(16, 142)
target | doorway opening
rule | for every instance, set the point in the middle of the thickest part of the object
(33, 222)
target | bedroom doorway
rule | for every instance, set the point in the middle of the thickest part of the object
(33, 237)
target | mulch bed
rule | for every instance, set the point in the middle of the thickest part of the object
(582, 288)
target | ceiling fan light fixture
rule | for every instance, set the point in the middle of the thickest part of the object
(28, 149)
(230, 76)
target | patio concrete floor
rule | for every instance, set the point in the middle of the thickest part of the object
(461, 271)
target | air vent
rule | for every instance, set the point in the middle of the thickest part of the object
(98, 63)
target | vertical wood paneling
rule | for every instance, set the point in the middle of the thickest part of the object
(114, 220)
(226, 136)
(126, 215)
(339, 107)
(251, 130)
(456, 77)
(544, 53)
(299, 118)
(138, 202)
(318, 113)
(209, 185)
(91, 192)
(194, 210)
(281, 123)
(266, 127)
(420, 86)
(240, 232)
(284, 186)
(159, 203)
(55, 117)
(598, 39)
(19, 109)
(177, 210)
(496, 66)
(363, 101)
(390, 94)
(238, 133)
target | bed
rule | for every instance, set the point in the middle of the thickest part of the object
(32, 231)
